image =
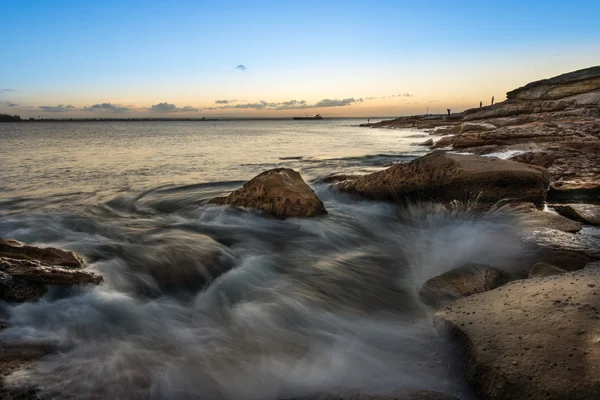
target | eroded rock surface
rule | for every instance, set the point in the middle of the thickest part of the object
(531, 339)
(446, 177)
(279, 193)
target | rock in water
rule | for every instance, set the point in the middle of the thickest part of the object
(586, 213)
(279, 193)
(531, 339)
(446, 177)
(542, 269)
(16, 289)
(458, 283)
(48, 255)
(37, 272)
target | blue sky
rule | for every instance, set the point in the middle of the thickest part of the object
(136, 54)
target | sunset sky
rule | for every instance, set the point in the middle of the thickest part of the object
(130, 58)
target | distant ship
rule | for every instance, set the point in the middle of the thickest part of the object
(316, 116)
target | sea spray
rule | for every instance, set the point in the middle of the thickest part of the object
(290, 308)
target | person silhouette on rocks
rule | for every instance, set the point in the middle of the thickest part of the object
(492, 100)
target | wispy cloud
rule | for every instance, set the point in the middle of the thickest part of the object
(58, 108)
(405, 95)
(225, 101)
(106, 107)
(241, 67)
(7, 104)
(293, 104)
(169, 108)
(337, 103)
(2, 91)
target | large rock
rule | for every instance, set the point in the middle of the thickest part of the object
(279, 193)
(37, 272)
(48, 255)
(445, 177)
(569, 84)
(586, 213)
(531, 339)
(458, 283)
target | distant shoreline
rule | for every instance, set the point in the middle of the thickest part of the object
(178, 119)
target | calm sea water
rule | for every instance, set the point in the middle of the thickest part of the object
(205, 302)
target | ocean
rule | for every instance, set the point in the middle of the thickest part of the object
(206, 302)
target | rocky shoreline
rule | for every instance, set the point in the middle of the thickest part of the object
(532, 334)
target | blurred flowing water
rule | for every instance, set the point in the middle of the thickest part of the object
(204, 302)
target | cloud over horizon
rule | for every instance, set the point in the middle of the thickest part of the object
(241, 67)
(106, 107)
(225, 101)
(167, 108)
(7, 104)
(58, 108)
(294, 104)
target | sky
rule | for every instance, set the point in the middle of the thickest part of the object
(227, 58)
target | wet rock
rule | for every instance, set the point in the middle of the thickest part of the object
(48, 255)
(531, 339)
(586, 213)
(16, 289)
(476, 126)
(542, 269)
(541, 158)
(458, 283)
(446, 177)
(279, 193)
(37, 272)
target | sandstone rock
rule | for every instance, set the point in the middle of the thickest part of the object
(586, 213)
(542, 158)
(476, 126)
(542, 269)
(36, 272)
(15, 289)
(460, 282)
(48, 255)
(531, 339)
(571, 83)
(445, 177)
(279, 193)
